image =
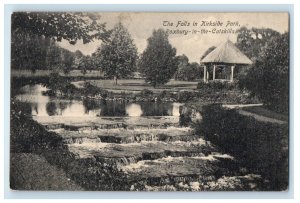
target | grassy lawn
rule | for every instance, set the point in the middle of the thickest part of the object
(136, 85)
(124, 85)
(33, 172)
(39, 73)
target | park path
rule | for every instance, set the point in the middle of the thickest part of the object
(242, 109)
(261, 118)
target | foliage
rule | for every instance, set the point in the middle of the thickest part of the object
(54, 57)
(57, 83)
(39, 53)
(252, 41)
(33, 37)
(60, 25)
(268, 78)
(29, 52)
(85, 63)
(146, 93)
(223, 92)
(164, 94)
(77, 58)
(117, 57)
(217, 86)
(190, 72)
(183, 62)
(27, 135)
(158, 62)
(185, 96)
(91, 90)
(68, 59)
(259, 146)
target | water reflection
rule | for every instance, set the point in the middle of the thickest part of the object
(134, 110)
(46, 106)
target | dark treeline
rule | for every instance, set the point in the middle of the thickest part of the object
(34, 36)
(33, 52)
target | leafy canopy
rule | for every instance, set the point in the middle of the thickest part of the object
(34, 35)
(158, 62)
(252, 41)
(188, 71)
(268, 77)
(60, 25)
(117, 57)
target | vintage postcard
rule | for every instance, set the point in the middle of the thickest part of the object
(149, 101)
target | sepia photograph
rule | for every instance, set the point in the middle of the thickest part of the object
(144, 101)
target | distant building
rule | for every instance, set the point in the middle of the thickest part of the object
(222, 61)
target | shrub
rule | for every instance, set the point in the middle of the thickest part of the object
(184, 96)
(91, 90)
(164, 94)
(146, 93)
(57, 82)
(260, 146)
(26, 135)
(217, 86)
(268, 77)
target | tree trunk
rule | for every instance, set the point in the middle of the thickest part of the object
(116, 80)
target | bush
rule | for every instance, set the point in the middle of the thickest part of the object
(184, 96)
(259, 146)
(26, 135)
(146, 93)
(91, 90)
(268, 78)
(217, 86)
(70, 88)
(190, 72)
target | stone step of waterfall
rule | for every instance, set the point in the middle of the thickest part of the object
(117, 155)
(121, 136)
(200, 173)
(192, 174)
(131, 123)
(180, 166)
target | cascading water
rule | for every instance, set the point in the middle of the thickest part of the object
(141, 144)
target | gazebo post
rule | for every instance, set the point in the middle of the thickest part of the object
(204, 74)
(214, 72)
(232, 70)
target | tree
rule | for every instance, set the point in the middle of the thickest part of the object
(195, 71)
(268, 78)
(252, 41)
(68, 59)
(29, 52)
(117, 57)
(183, 62)
(85, 64)
(187, 71)
(77, 59)
(60, 25)
(33, 32)
(158, 62)
(54, 57)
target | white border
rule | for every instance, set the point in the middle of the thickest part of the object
(296, 71)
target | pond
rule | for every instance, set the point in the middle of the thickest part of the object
(46, 106)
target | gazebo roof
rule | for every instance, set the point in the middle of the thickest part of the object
(227, 52)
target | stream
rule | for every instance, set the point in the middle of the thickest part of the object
(141, 141)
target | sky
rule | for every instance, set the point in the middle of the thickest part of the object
(192, 44)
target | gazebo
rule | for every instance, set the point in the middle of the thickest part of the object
(222, 62)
